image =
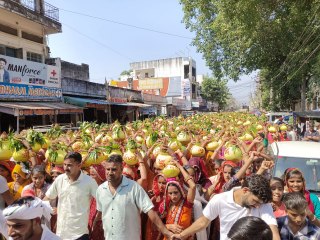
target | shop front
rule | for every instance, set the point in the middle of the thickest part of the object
(125, 104)
(22, 115)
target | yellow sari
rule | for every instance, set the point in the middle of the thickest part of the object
(16, 193)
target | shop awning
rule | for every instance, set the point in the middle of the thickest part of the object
(38, 108)
(85, 102)
(308, 114)
(96, 103)
(134, 104)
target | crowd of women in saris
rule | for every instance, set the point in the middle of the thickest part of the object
(179, 201)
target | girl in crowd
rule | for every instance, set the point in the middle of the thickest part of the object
(157, 198)
(227, 171)
(20, 180)
(5, 170)
(295, 182)
(277, 188)
(97, 172)
(177, 207)
(38, 186)
(55, 172)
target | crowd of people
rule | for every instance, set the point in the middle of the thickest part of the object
(211, 198)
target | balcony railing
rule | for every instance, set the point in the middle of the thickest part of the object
(47, 9)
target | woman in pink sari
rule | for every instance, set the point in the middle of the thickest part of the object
(97, 172)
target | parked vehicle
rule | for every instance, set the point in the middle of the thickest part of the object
(272, 116)
(298, 154)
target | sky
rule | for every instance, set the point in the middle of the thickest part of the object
(98, 33)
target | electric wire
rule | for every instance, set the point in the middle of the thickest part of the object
(127, 25)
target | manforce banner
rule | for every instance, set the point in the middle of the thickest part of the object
(23, 79)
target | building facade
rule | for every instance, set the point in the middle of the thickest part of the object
(172, 78)
(30, 89)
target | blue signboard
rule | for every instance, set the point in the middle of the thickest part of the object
(22, 91)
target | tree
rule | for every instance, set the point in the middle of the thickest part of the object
(126, 72)
(215, 90)
(280, 37)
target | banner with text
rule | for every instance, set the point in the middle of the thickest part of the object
(19, 91)
(26, 79)
(150, 84)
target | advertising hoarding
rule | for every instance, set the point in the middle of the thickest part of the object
(185, 87)
(22, 79)
(150, 84)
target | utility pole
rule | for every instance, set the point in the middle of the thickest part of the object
(108, 96)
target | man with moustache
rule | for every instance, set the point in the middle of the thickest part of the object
(74, 190)
(120, 202)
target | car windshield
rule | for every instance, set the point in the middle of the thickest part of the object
(309, 167)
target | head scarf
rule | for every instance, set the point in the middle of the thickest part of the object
(9, 166)
(101, 172)
(130, 172)
(58, 169)
(35, 208)
(303, 191)
(21, 170)
(200, 169)
(166, 203)
(201, 174)
(29, 192)
(230, 163)
(219, 186)
(155, 185)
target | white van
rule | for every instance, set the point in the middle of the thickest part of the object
(272, 116)
(298, 154)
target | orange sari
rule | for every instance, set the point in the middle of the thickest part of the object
(181, 213)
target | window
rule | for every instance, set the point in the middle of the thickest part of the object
(186, 71)
(34, 57)
(11, 52)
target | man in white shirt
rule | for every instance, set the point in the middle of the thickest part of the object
(24, 220)
(249, 200)
(74, 190)
(120, 202)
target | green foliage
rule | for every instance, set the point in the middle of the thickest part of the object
(215, 90)
(238, 37)
(126, 72)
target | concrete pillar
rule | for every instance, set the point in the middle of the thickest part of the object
(39, 6)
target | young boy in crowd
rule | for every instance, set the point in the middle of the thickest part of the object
(296, 225)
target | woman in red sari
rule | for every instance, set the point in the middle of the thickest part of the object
(97, 172)
(177, 207)
(157, 198)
